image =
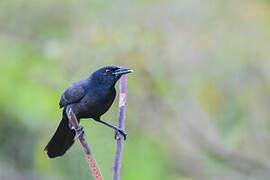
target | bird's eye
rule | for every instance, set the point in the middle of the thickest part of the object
(108, 70)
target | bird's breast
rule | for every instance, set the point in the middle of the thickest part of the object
(96, 103)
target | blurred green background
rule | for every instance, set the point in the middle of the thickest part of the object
(198, 104)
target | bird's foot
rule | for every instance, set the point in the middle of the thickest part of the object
(79, 131)
(120, 131)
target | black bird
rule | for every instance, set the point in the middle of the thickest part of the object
(90, 97)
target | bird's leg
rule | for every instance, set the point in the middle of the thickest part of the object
(118, 130)
(70, 125)
(79, 130)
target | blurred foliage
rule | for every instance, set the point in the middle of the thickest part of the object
(198, 101)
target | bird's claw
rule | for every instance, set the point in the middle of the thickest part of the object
(122, 132)
(79, 131)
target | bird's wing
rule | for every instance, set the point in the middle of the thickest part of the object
(74, 93)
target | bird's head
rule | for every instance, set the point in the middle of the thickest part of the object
(109, 75)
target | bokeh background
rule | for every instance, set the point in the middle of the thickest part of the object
(198, 104)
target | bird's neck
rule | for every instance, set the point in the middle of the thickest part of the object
(101, 83)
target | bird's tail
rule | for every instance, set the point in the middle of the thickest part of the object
(62, 139)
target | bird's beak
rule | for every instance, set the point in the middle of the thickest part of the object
(122, 71)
